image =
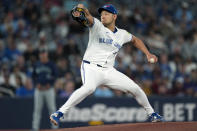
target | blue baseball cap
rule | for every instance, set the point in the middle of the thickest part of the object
(109, 7)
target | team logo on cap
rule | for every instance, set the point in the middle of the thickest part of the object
(106, 6)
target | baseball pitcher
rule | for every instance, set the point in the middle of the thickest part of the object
(105, 40)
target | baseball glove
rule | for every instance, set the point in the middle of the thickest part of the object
(78, 14)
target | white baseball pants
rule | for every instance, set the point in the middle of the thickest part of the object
(94, 76)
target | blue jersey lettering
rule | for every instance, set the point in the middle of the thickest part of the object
(106, 41)
(109, 41)
(117, 45)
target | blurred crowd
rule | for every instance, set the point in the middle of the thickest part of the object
(167, 27)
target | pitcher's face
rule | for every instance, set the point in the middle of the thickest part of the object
(107, 18)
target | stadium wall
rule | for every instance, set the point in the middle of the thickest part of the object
(17, 113)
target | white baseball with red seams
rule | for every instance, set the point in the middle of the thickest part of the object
(97, 69)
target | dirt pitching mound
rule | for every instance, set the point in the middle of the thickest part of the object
(163, 126)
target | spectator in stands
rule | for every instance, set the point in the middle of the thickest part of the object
(59, 84)
(2, 50)
(68, 89)
(103, 91)
(63, 66)
(11, 52)
(71, 48)
(166, 71)
(59, 52)
(146, 86)
(183, 14)
(118, 93)
(16, 76)
(178, 89)
(5, 69)
(6, 89)
(162, 90)
(30, 56)
(25, 90)
(156, 84)
(32, 12)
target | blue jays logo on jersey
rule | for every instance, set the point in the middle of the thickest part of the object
(106, 41)
(109, 41)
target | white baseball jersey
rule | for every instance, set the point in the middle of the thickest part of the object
(104, 44)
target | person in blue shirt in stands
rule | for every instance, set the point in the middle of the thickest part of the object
(25, 90)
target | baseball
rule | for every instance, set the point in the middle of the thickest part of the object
(152, 60)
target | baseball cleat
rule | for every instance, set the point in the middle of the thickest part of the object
(155, 117)
(55, 117)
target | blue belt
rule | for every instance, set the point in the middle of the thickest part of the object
(85, 61)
